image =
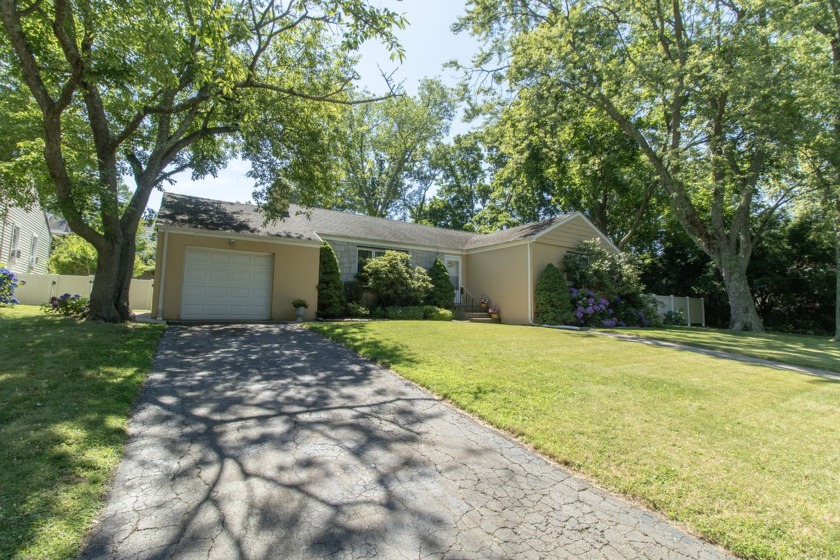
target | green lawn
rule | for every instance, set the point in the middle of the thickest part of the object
(797, 349)
(745, 455)
(66, 389)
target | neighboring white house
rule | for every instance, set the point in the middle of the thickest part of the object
(25, 239)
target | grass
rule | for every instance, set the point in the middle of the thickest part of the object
(797, 349)
(66, 390)
(745, 455)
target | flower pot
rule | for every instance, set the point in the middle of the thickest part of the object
(494, 315)
(483, 305)
(299, 311)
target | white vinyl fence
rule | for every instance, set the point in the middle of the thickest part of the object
(40, 288)
(692, 308)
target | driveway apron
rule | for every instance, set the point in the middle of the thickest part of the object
(267, 441)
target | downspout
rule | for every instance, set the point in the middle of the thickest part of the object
(162, 275)
(530, 286)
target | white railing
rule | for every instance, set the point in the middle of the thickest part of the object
(692, 308)
(39, 288)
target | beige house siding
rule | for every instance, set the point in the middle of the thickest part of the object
(502, 275)
(295, 272)
(34, 231)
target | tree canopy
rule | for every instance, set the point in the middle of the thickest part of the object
(97, 90)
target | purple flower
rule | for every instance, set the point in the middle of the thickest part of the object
(579, 314)
(621, 324)
(574, 292)
(610, 312)
(603, 302)
(590, 301)
(580, 309)
(589, 311)
(14, 301)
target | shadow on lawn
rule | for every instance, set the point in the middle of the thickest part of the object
(266, 441)
(59, 395)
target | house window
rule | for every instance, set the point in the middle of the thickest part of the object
(33, 252)
(14, 251)
(366, 253)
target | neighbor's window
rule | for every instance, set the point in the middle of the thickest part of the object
(14, 252)
(33, 252)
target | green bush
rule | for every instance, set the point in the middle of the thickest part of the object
(442, 293)
(404, 312)
(675, 317)
(357, 310)
(330, 288)
(552, 298)
(432, 313)
(391, 278)
(592, 267)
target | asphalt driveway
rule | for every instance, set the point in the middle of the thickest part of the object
(267, 441)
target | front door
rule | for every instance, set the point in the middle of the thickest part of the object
(453, 266)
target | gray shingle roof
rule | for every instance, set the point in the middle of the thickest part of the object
(313, 223)
(215, 215)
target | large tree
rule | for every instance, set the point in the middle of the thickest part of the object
(700, 86)
(383, 145)
(812, 30)
(580, 159)
(150, 89)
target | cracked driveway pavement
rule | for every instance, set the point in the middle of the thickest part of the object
(267, 441)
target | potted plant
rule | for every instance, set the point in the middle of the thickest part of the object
(484, 302)
(300, 306)
(494, 312)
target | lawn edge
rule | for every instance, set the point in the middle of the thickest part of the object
(513, 438)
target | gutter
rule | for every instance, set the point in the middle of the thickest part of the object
(162, 275)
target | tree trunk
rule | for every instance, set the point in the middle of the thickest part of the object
(111, 282)
(837, 280)
(744, 316)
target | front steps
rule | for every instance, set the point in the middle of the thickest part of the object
(474, 315)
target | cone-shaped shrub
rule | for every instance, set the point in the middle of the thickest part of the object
(442, 294)
(330, 288)
(553, 303)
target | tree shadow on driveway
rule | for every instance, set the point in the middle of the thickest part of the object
(261, 441)
(268, 441)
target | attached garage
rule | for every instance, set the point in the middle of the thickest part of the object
(226, 285)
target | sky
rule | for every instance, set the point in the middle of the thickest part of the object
(428, 44)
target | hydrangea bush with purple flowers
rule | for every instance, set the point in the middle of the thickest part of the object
(611, 293)
(9, 282)
(67, 305)
(593, 310)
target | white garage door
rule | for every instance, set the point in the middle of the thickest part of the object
(227, 285)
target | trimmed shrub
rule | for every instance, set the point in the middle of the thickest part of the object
(391, 278)
(432, 313)
(442, 294)
(357, 310)
(330, 287)
(404, 312)
(9, 282)
(552, 298)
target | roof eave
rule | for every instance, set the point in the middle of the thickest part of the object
(265, 238)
